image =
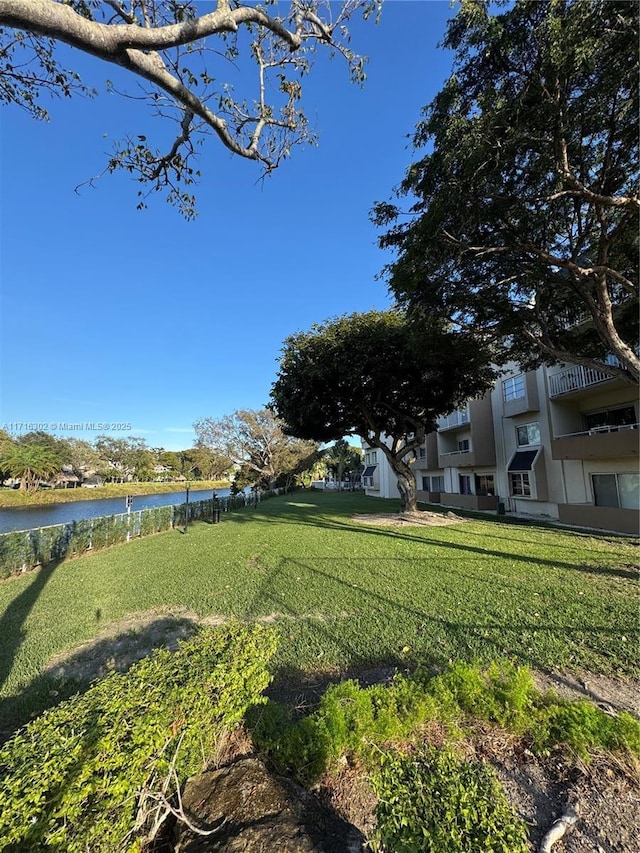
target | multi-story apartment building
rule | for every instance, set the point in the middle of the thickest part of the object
(559, 443)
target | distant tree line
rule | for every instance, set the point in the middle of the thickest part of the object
(39, 459)
(248, 448)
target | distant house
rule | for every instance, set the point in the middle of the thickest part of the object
(92, 481)
(64, 480)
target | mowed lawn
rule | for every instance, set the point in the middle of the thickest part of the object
(342, 595)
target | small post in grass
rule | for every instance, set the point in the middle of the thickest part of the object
(186, 512)
(128, 502)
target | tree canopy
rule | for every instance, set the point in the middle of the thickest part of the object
(255, 442)
(343, 458)
(379, 377)
(31, 463)
(183, 64)
(522, 217)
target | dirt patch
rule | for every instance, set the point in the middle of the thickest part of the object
(137, 635)
(606, 795)
(610, 694)
(410, 519)
(122, 643)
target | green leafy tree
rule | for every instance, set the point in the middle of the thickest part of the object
(523, 215)
(6, 444)
(124, 458)
(343, 458)
(205, 464)
(31, 463)
(256, 444)
(379, 377)
(169, 459)
(182, 57)
(140, 460)
(83, 457)
(304, 462)
(58, 447)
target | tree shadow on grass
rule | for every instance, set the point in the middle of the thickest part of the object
(432, 638)
(72, 673)
(290, 513)
(14, 617)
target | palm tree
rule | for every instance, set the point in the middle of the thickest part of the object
(31, 463)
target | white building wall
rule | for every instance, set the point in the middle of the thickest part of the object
(385, 481)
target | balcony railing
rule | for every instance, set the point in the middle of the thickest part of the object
(455, 419)
(598, 430)
(455, 452)
(574, 378)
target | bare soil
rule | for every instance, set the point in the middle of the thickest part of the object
(606, 795)
(410, 519)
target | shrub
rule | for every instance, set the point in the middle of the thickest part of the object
(432, 802)
(583, 728)
(14, 552)
(350, 720)
(355, 721)
(80, 776)
(80, 540)
(502, 693)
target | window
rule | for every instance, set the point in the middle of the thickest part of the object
(464, 482)
(513, 388)
(528, 434)
(464, 445)
(618, 490)
(422, 452)
(485, 484)
(520, 485)
(367, 476)
(433, 484)
(370, 457)
(610, 419)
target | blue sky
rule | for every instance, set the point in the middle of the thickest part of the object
(110, 315)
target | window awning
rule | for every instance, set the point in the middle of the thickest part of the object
(523, 460)
(368, 471)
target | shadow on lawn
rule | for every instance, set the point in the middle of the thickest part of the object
(70, 674)
(283, 515)
(13, 619)
(468, 638)
(433, 639)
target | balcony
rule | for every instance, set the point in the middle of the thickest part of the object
(576, 378)
(605, 442)
(454, 420)
(457, 459)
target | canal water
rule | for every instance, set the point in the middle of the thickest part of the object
(28, 517)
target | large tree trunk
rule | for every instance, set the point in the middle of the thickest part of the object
(406, 483)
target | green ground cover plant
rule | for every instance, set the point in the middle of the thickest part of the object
(95, 772)
(359, 722)
(343, 595)
(431, 801)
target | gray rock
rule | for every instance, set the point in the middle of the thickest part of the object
(257, 812)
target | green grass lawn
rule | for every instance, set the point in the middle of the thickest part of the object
(343, 595)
